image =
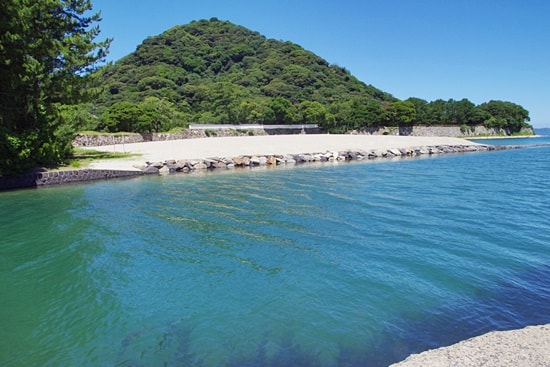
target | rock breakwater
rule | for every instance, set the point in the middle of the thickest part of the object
(47, 178)
(243, 161)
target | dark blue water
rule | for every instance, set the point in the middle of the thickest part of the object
(331, 265)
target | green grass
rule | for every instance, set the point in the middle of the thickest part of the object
(104, 133)
(83, 157)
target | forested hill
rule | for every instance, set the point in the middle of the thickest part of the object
(217, 72)
(213, 71)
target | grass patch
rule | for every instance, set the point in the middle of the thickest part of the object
(80, 153)
(104, 133)
(83, 157)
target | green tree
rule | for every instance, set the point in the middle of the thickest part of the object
(47, 48)
(282, 111)
(421, 108)
(158, 115)
(312, 113)
(250, 112)
(505, 115)
(79, 117)
(123, 116)
(401, 113)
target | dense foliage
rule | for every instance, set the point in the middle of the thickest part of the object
(217, 72)
(45, 49)
(208, 71)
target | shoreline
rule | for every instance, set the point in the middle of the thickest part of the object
(191, 155)
(272, 145)
(527, 347)
(497, 137)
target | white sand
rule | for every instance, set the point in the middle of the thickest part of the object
(528, 347)
(261, 145)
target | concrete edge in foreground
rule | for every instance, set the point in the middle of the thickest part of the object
(527, 347)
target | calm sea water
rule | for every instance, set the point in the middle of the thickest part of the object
(331, 265)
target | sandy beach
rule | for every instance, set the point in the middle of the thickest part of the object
(260, 145)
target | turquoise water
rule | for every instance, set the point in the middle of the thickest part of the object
(332, 265)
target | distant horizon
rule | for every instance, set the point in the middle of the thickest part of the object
(482, 51)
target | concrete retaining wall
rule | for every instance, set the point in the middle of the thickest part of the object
(61, 177)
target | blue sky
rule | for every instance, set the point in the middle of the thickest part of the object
(430, 49)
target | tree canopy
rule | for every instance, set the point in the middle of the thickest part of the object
(46, 50)
(208, 71)
(213, 71)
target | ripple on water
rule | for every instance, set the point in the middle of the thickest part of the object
(350, 265)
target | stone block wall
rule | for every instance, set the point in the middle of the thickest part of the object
(451, 130)
(38, 179)
(440, 130)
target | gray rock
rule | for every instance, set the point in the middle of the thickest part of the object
(218, 165)
(164, 170)
(255, 161)
(151, 170)
(171, 167)
(226, 161)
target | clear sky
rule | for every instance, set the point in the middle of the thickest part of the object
(430, 49)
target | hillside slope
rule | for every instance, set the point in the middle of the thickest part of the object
(213, 71)
(217, 72)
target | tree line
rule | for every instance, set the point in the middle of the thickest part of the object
(46, 49)
(213, 71)
(208, 71)
(155, 114)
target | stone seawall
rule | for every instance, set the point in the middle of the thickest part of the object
(95, 140)
(441, 130)
(38, 179)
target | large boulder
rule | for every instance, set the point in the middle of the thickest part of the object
(164, 170)
(151, 170)
(271, 160)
